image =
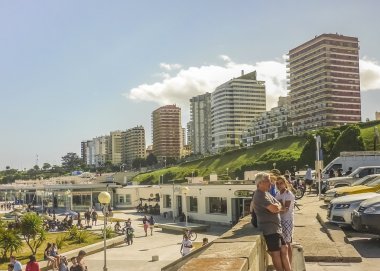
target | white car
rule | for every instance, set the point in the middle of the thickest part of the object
(340, 209)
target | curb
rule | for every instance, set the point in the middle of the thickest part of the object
(335, 233)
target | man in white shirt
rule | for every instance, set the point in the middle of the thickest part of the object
(186, 246)
(16, 264)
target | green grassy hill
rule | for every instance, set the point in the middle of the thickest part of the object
(285, 152)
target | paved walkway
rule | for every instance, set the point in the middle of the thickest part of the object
(139, 256)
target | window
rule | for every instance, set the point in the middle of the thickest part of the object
(167, 201)
(121, 199)
(128, 200)
(193, 204)
(217, 205)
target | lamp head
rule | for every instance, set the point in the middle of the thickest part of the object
(104, 197)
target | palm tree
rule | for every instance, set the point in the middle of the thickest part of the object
(10, 241)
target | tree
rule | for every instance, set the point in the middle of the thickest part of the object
(71, 161)
(33, 231)
(46, 166)
(7, 168)
(36, 168)
(10, 242)
(151, 160)
(349, 140)
(138, 163)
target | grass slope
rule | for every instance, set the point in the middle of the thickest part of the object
(233, 160)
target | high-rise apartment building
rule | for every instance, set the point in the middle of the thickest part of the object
(189, 134)
(83, 150)
(167, 130)
(116, 147)
(101, 150)
(234, 105)
(200, 114)
(324, 82)
(134, 144)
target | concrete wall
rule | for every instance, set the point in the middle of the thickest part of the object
(241, 249)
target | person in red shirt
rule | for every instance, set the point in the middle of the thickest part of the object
(32, 265)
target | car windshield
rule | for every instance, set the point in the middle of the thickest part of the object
(356, 171)
(365, 180)
(374, 183)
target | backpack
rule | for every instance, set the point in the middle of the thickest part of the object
(254, 219)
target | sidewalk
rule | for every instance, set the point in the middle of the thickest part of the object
(308, 231)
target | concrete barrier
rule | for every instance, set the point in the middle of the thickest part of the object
(241, 248)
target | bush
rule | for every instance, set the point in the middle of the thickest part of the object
(60, 242)
(72, 233)
(82, 237)
(109, 232)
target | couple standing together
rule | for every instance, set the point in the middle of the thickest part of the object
(275, 218)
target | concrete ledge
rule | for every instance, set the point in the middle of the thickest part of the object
(240, 249)
(215, 264)
(336, 234)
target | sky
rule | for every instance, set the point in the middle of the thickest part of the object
(73, 70)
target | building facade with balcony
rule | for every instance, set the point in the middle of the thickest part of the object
(134, 144)
(200, 115)
(324, 82)
(234, 105)
(269, 125)
(167, 132)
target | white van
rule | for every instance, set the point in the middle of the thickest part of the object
(352, 159)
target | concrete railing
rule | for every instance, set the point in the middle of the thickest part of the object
(242, 249)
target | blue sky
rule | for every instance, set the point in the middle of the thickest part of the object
(73, 70)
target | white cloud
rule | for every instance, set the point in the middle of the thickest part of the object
(369, 74)
(170, 67)
(178, 87)
(192, 81)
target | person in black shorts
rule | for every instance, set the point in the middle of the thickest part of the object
(267, 210)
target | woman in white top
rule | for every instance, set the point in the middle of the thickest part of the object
(286, 198)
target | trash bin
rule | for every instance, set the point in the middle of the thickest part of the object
(298, 260)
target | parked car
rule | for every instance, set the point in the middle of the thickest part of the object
(340, 209)
(367, 216)
(354, 176)
(340, 191)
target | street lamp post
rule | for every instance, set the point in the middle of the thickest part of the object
(317, 171)
(185, 190)
(104, 199)
(192, 176)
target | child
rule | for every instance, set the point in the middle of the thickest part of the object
(74, 263)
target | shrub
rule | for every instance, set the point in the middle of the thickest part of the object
(349, 140)
(82, 237)
(109, 232)
(60, 242)
(72, 233)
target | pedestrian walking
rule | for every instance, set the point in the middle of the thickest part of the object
(145, 224)
(286, 198)
(308, 178)
(151, 224)
(129, 234)
(94, 217)
(267, 210)
(186, 246)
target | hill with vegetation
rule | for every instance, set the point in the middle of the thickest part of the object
(285, 152)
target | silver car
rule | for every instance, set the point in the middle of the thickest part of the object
(340, 209)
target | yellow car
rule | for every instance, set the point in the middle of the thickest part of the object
(349, 190)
